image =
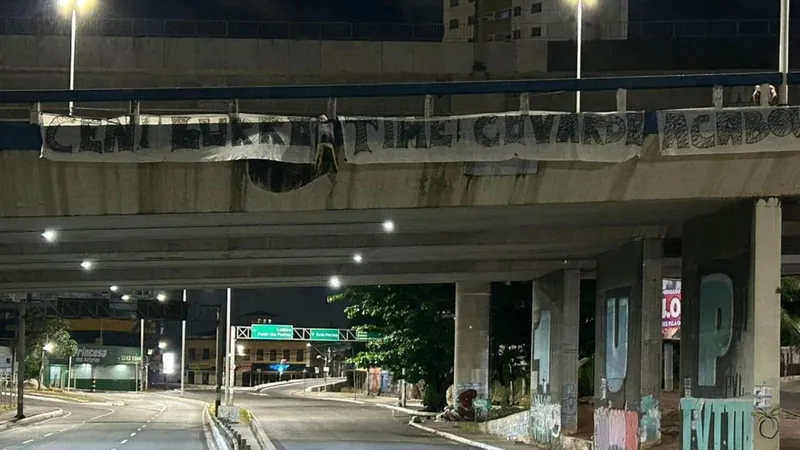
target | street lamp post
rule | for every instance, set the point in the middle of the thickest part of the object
(73, 7)
(783, 54)
(579, 41)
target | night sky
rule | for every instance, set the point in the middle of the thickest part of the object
(382, 11)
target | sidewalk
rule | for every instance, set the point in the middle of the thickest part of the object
(348, 397)
(469, 435)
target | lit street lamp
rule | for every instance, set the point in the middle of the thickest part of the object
(72, 8)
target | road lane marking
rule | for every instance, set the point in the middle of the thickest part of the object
(48, 434)
(123, 441)
(27, 442)
(133, 434)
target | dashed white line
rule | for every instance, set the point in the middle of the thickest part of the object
(60, 431)
(48, 434)
(27, 442)
(133, 434)
(123, 441)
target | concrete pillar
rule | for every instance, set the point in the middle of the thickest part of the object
(669, 367)
(628, 346)
(554, 344)
(730, 333)
(471, 368)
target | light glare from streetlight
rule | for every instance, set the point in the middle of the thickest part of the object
(335, 282)
(357, 258)
(126, 297)
(50, 235)
(49, 347)
(388, 226)
(161, 296)
(87, 265)
(114, 288)
(162, 345)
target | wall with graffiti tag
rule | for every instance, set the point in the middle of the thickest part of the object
(616, 429)
(720, 423)
(545, 421)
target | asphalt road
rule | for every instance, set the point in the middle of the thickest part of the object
(146, 422)
(296, 423)
(790, 396)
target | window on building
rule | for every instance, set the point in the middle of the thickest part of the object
(273, 355)
(453, 2)
(502, 14)
(471, 20)
(192, 354)
(260, 354)
(206, 354)
(517, 34)
(453, 24)
(287, 354)
(517, 11)
(536, 32)
(536, 8)
(301, 356)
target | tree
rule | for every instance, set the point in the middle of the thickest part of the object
(417, 325)
(790, 310)
(511, 329)
(41, 331)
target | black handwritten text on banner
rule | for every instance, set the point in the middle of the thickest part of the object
(732, 130)
(178, 138)
(610, 137)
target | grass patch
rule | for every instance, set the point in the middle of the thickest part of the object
(470, 427)
(244, 416)
(504, 411)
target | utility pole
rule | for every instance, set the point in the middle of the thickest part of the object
(220, 352)
(21, 360)
(183, 345)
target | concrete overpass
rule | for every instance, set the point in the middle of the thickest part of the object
(218, 224)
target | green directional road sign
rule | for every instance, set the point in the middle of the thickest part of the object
(271, 332)
(368, 335)
(323, 334)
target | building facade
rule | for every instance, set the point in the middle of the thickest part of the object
(506, 20)
(257, 362)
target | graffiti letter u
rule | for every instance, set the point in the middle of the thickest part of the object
(616, 342)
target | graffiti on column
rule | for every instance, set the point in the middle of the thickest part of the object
(715, 328)
(569, 406)
(541, 351)
(616, 338)
(650, 423)
(469, 404)
(545, 420)
(710, 423)
(616, 429)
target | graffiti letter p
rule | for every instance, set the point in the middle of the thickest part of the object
(715, 329)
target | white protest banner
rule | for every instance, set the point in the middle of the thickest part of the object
(604, 137)
(178, 138)
(729, 130)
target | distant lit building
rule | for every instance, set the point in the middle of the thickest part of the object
(257, 362)
(506, 20)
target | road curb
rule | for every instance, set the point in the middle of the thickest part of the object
(261, 436)
(32, 419)
(411, 412)
(455, 438)
(53, 399)
(791, 413)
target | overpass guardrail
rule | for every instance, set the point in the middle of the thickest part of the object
(333, 91)
(433, 32)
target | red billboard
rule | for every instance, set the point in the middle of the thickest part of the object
(671, 309)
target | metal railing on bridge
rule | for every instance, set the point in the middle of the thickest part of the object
(433, 32)
(396, 89)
